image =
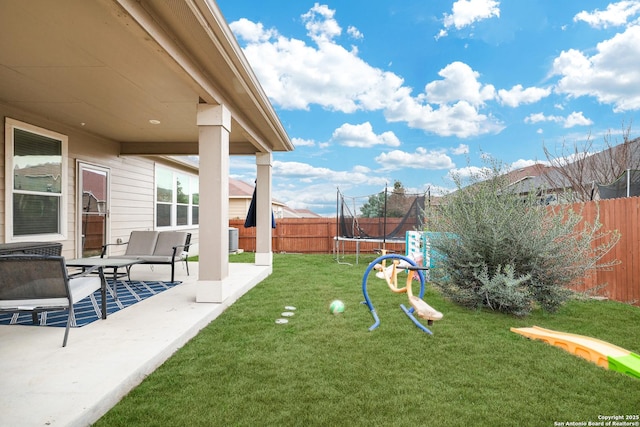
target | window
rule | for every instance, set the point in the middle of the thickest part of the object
(177, 198)
(164, 197)
(195, 201)
(182, 199)
(36, 184)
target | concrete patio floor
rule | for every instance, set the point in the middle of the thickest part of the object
(44, 384)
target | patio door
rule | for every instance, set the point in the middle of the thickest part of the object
(93, 194)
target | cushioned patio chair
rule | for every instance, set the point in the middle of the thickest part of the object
(37, 283)
(155, 247)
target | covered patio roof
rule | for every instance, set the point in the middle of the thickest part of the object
(158, 78)
(133, 71)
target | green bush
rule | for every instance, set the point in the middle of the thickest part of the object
(508, 252)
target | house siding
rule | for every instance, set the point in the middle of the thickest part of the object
(238, 208)
(132, 186)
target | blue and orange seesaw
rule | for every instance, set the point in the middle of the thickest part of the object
(390, 273)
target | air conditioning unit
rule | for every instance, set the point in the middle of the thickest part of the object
(233, 240)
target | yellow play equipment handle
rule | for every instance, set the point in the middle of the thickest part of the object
(391, 279)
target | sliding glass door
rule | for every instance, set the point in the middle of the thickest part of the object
(94, 204)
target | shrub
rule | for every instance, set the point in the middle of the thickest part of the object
(509, 252)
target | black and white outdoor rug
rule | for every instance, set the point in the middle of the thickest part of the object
(90, 308)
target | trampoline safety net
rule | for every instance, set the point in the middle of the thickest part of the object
(626, 185)
(386, 215)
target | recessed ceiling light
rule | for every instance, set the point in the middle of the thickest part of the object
(154, 122)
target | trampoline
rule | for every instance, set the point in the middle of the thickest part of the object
(390, 216)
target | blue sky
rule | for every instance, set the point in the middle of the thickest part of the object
(374, 91)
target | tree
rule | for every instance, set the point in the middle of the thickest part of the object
(395, 203)
(506, 251)
(398, 202)
(374, 208)
(577, 168)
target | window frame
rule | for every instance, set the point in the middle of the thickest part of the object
(10, 126)
(192, 181)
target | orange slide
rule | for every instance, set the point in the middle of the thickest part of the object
(602, 353)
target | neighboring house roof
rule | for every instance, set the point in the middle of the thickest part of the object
(536, 169)
(299, 213)
(111, 67)
(594, 169)
(534, 177)
(241, 190)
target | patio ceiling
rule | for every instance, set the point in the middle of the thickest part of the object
(111, 67)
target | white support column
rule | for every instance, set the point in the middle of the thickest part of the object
(264, 254)
(214, 124)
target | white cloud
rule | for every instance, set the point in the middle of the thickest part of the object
(319, 198)
(573, 119)
(296, 75)
(460, 83)
(522, 163)
(576, 119)
(616, 14)
(299, 142)
(242, 165)
(251, 31)
(437, 190)
(320, 24)
(540, 117)
(303, 186)
(517, 95)
(460, 149)
(420, 159)
(304, 172)
(466, 12)
(566, 159)
(460, 119)
(361, 169)
(362, 135)
(468, 172)
(611, 75)
(441, 33)
(458, 98)
(355, 33)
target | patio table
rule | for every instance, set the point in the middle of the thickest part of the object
(113, 263)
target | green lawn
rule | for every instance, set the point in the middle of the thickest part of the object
(326, 370)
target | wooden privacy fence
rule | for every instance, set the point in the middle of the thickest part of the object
(291, 235)
(621, 282)
(312, 236)
(316, 235)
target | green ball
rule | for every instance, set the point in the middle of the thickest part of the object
(336, 307)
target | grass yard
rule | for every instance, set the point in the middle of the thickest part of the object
(325, 370)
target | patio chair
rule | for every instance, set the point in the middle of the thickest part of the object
(37, 283)
(171, 247)
(155, 247)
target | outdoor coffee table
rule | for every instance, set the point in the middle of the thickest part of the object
(113, 263)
